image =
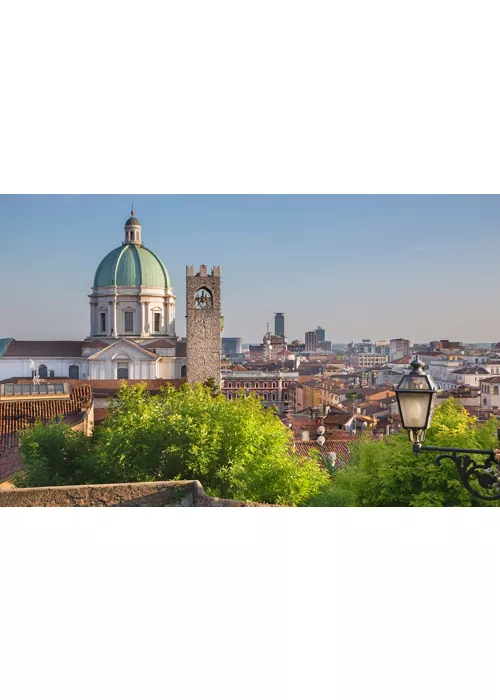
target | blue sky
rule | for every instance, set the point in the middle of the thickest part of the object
(371, 266)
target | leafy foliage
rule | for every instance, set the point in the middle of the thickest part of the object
(387, 473)
(237, 449)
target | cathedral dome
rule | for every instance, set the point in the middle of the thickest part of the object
(131, 266)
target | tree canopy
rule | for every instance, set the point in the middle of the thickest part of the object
(236, 449)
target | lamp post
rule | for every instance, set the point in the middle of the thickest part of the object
(416, 395)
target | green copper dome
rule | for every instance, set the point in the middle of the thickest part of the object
(131, 266)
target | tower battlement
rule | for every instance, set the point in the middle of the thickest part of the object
(203, 271)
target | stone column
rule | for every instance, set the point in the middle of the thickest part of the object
(141, 319)
(115, 330)
(93, 318)
(147, 319)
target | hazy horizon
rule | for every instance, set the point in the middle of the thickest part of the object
(360, 266)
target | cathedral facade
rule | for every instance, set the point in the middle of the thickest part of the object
(132, 325)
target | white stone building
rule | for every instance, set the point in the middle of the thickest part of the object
(132, 325)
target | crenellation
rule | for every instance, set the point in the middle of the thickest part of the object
(189, 270)
(202, 271)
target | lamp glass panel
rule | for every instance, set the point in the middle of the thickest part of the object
(414, 409)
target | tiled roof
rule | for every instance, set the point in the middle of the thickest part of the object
(44, 348)
(109, 387)
(495, 379)
(100, 414)
(470, 370)
(180, 349)
(161, 343)
(18, 415)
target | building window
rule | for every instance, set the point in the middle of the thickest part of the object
(285, 397)
(122, 370)
(103, 322)
(274, 397)
(265, 397)
(274, 385)
(495, 390)
(129, 321)
(42, 371)
(157, 321)
(229, 396)
(247, 385)
(52, 373)
(229, 385)
(265, 385)
(74, 372)
(237, 385)
(183, 370)
(285, 384)
(485, 402)
(256, 385)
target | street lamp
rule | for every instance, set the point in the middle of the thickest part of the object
(416, 395)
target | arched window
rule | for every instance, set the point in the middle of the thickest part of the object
(256, 385)
(274, 385)
(265, 385)
(74, 372)
(285, 397)
(247, 385)
(42, 371)
(265, 397)
(237, 385)
(274, 397)
(183, 370)
(229, 396)
(131, 235)
(229, 385)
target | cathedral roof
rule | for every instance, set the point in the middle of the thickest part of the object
(131, 266)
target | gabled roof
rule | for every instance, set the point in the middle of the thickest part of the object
(43, 348)
(340, 447)
(126, 341)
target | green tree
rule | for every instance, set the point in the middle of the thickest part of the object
(387, 473)
(55, 455)
(237, 449)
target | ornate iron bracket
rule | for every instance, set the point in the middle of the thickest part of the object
(486, 474)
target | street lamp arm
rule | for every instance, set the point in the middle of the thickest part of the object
(486, 474)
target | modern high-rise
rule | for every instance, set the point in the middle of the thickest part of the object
(311, 340)
(321, 334)
(279, 324)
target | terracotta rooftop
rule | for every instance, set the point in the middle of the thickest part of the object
(17, 415)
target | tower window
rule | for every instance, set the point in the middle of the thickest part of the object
(157, 321)
(131, 235)
(103, 323)
(129, 321)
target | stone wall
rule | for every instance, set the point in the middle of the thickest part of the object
(148, 494)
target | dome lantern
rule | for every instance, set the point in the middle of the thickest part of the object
(133, 230)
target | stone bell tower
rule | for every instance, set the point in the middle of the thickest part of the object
(203, 324)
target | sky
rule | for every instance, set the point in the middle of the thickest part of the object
(422, 267)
